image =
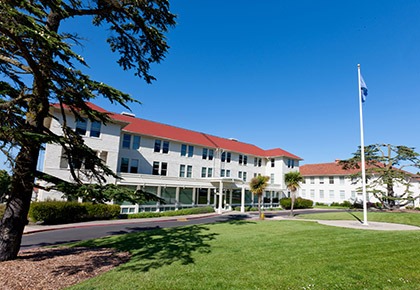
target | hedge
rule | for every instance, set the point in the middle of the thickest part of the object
(300, 203)
(60, 212)
(185, 211)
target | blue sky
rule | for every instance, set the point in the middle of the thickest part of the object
(281, 73)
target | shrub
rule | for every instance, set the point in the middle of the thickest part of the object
(61, 212)
(300, 203)
(185, 211)
(345, 203)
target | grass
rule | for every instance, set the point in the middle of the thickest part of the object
(409, 218)
(262, 255)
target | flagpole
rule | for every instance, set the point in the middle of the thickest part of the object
(362, 150)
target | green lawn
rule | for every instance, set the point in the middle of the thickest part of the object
(263, 255)
(409, 218)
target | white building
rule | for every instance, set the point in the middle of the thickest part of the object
(329, 182)
(186, 168)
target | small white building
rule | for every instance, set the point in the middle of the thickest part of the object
(186, 168)
(329, 182)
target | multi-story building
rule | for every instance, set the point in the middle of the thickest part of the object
(186, 168)
(329, 182)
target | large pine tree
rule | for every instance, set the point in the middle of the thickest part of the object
(39, 67)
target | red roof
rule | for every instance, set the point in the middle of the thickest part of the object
(322, 169)
(159, 130)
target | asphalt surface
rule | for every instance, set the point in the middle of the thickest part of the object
(38, 235)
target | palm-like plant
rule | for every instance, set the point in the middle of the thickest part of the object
(293, 180)
(257, 186)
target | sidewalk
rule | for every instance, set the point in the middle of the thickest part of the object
(34, 228)
(354, 224)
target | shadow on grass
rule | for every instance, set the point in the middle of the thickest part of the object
(238, 219)
(157, 248)
(356, 217)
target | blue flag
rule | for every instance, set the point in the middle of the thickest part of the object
(363, 88)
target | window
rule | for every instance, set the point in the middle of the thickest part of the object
(183, 150)
(312, 193)
(155, 170)
(158, 143)
(321, 193)
(104, 156)
(89, 164)
(124, 164)
(189, 171)
(126, 141)
(331, 179)
(223, 157)
(228, 157)
(255, 161)
(244, 176)
(240, 158)
(64, 163)
(209, 172)
(77, 162)
(227, 173)
(245, 160)
(163, 168)
(290, 163)
(312, 180)
(222, 173)
(190, 151)
(331, 193)
(136, 142)
(95, 129)
(303, 192)
(272, 162)
(240, 174)
(165, 148)
(203, 171)
(182, 170)
(342, 194)
(211, 154)
(353, 194)
(134, 165)
(342, 180)
(81, 126)
(205, 152)
(272, 178)
(321, 180)
(259, 162)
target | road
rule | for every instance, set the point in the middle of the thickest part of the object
(60, 236)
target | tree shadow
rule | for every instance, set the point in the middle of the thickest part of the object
(356, 217)
(238, 219)
(156, 248)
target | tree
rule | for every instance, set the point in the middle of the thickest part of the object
(257, 186)
(385, 165)
(293, 180)
(39, 67)
(4, 185)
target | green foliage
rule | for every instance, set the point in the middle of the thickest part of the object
(300, 203)
(185, 211)
(5, 182)
(60, 212)
(293, 180)
(345, 203)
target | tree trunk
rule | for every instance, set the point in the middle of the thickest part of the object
(259, 205)
(292, 195)
(15, 215)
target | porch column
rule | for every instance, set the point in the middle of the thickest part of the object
(219, 209)
(271, 199)
(230, 198)
(194, 194)
(177, 198)
(158, 193)
(243, 198)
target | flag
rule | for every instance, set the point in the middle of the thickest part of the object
(363, 88)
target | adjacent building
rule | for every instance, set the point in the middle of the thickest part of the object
(187, 168)
(329, 182)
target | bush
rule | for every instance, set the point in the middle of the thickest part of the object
(61, 212)
(185, 211)
(345, 203)
(300, 203)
